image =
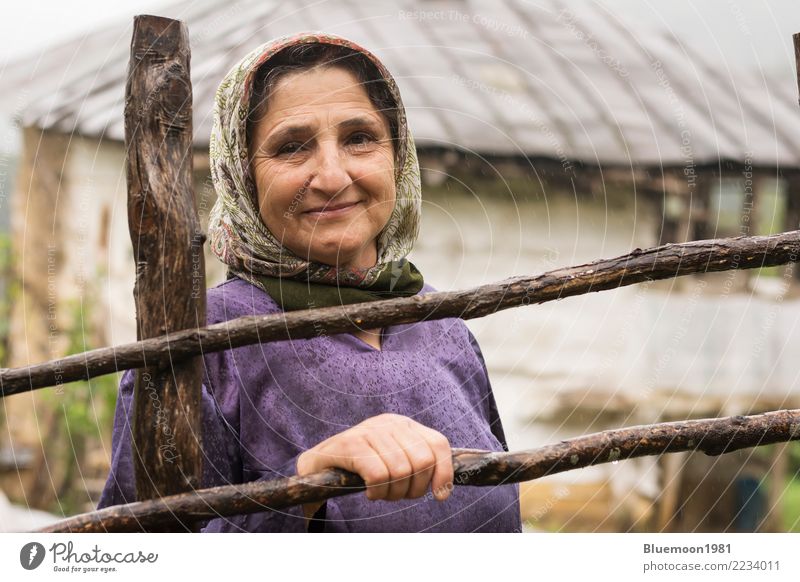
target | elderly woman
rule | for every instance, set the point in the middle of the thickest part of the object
(318, 204)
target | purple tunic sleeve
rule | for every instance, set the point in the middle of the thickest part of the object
(492, 414)
(222, 463)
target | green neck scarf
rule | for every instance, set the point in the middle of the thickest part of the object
(241, 240)
(404, 280)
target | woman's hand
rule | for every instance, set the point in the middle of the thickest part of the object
(395, 456)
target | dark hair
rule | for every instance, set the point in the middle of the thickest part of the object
(305, 56)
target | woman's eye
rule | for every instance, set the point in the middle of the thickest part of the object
(361, 138)
(290, 148)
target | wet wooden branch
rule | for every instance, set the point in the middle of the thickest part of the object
(168, 250)
(662, 262)
(478, 468)
(796, 38)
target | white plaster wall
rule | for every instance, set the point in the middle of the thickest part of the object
(98, 180)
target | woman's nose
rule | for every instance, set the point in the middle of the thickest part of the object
(331, 175)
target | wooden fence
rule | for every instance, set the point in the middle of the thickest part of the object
(172, 335)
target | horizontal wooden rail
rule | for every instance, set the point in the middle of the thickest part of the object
(662, 262)
(471, 467)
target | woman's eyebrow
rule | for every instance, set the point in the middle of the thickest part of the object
(288, 132)
(360, 121)
(301, 130)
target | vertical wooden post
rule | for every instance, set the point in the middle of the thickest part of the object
(793, 181)
(665, 517)
(168, 250)
(701, 206)
(796, 38)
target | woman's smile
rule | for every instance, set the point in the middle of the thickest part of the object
(331, 210)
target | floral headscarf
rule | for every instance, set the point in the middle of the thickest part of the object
(239, 237)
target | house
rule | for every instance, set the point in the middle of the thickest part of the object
(549, 135)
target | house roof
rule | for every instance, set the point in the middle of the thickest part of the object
(556, 79)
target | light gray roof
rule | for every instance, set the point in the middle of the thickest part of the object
(556, 79)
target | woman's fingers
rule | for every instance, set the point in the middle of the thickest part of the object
(411, 477)
(442, 481)
(396, 460)
(352, 452)
(420, 456)
(396, 457)
(375, 473)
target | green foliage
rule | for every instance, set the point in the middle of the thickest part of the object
(9, 293)
(84, 415)
(791, 504)
(793, 449)
(790, 495)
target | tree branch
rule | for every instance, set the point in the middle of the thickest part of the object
(662, 262)
(471, 467)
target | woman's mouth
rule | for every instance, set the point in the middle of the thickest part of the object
(333, 210)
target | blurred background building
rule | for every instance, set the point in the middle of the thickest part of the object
(550, 134)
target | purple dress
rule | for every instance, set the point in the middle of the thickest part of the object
(264, 404)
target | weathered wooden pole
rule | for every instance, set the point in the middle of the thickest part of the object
(168, 251)
(796, 38)
(793, 179)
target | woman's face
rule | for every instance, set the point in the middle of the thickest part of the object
(323, 164)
